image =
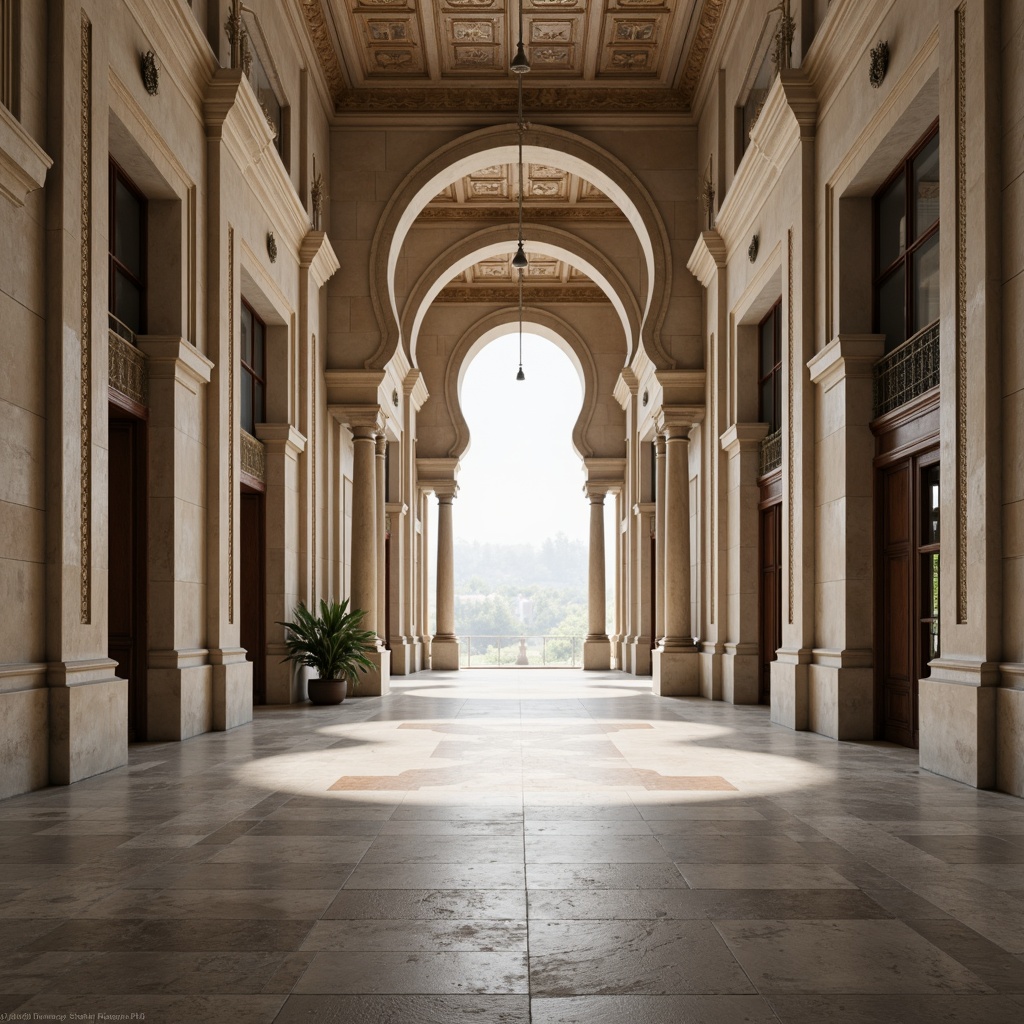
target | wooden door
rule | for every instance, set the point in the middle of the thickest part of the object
(252, 595)
(909, 590)
(770, 632)
(654, 593)
(126, 578)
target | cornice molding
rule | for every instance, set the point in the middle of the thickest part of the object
(364, 417)
(496, 100)
(414, 385)
(626, 387)
(681, 388)
(438, 475)
(846, 355)
(23, 162)
(743, 437)
(174, 357)
(603, 474)
(788, 116)
(537, 213)
(318, 256)
(233, 114)
(696, 57)
(281, 438)
(536, 295)
(327, 57)
(709, 256)
(355, 388)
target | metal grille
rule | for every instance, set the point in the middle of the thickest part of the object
(907, 371)
(254, 457)
(771, 453)
(127, 368)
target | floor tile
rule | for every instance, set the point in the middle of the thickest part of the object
(405, 1009)
(676, 1009)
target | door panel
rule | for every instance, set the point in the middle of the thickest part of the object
(770, 632)
(126, 554)
(252, 597)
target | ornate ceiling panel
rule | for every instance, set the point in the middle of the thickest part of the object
(545, 279)
(454, 54)
(546, 187)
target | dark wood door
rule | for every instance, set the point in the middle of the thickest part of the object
(126, 579)
(252, 596)
(654, 593)
(770, 633)
(909, 590)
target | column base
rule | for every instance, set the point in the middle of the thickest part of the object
(675, 672)
(640, 656)
(710, 677)
(741, 671)
(841, 695)
(956, 713)
(444, 654)
(232, 688)
(88, 720)
(24, 743)
(790, 672)
(404, 655)
(285, 681)
(1010, 731)
(597, 654)
(376, 681)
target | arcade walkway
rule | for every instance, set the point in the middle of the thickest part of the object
(512, 847)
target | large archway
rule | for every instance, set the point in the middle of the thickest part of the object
(499, 145)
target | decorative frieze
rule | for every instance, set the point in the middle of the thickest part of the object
(127, 369)
(253, 456)
(85, 342)
(961, 315)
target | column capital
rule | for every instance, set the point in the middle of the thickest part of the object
(743, 437)
(365, 421)
(595, 491)
(676, 421)
(382, 446)
(444, 490)
(659, 445)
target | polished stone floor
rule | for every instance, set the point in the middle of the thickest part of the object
(511, 847)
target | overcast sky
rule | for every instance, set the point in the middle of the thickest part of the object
(521, 481)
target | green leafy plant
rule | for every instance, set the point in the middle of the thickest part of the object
(331, 643)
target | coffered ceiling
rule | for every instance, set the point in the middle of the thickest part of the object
(544, 279)
(547, 188)
(449, 55)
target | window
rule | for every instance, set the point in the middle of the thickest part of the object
(262, 85)
(769, 348)
(127, 286)
(254, 366)
(8, 55)
(907, 245)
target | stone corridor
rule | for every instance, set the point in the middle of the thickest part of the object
(514, 846)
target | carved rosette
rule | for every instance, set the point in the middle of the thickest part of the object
(127, 369)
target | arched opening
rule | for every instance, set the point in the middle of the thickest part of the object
(521, 557)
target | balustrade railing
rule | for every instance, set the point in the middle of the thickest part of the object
(770, 454)
(907, 371)
(126, 365)
(520, 650)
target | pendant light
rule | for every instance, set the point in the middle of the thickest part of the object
(520, 65)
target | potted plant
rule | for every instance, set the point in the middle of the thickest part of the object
(333, 645)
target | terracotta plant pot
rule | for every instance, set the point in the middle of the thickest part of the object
(327, 691)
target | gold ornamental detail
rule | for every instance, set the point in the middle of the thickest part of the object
(231, 425)
(321, 36)
(253, 456)
(710, 15)
(789, 421)
(85, 386)
(127, 369)
(961, 315)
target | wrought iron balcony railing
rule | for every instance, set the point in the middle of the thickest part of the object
(770, 455)
(907, 371)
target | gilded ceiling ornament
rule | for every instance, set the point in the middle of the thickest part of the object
(271, 246)
(707, 192)
(879, 63)
(316, 195)
(150, 73)
(782, 57)
(755, 244)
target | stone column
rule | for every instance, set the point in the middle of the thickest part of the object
(741, 664)
(445, 645)
(364, 549)
(674, 663)
(381, 448)
(659, 528)
(642, 627)
(424, 549)
(596, 647)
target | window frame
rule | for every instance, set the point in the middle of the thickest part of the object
(774, 373)
(116, 173)
(250, 376)
(905, 260)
